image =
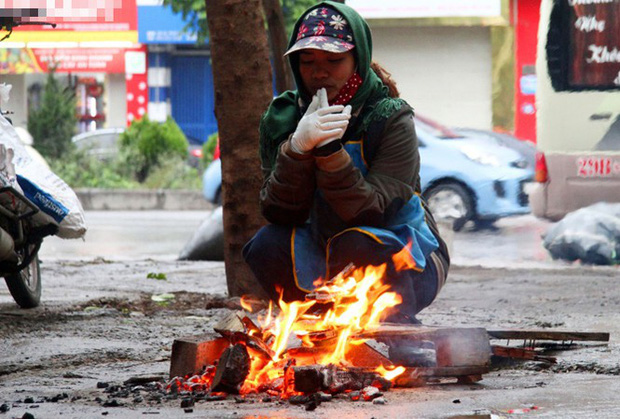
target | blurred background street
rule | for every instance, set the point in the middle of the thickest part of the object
(160, 235)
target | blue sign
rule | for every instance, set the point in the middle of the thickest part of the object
(158, 24)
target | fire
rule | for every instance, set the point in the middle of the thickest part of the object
(246, 305)
(350, 303)
(390, 374)
(321, 330)
(403, 259)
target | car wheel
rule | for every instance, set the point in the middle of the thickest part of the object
(486, 224)
(450, 202)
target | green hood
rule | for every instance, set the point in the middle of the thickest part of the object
(363, 51)
(284, 113)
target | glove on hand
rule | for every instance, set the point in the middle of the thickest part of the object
(320, 124)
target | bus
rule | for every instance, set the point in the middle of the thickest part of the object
(578, 106)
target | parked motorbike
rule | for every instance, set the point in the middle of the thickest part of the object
(20, 242)
(20, 238)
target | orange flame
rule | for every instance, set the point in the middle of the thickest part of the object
(404, 260)
(390, 374)
(246, 306)
(357, 301)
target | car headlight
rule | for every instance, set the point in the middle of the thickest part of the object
(480, 156)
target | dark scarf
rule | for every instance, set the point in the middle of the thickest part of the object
(372, 97)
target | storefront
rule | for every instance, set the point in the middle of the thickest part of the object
(97, 56)
(439, 53)
(176, 59)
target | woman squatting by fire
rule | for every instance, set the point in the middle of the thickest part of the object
(341, 172)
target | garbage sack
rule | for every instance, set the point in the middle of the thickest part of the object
(57, 202)
(591, 235)
(207, 243)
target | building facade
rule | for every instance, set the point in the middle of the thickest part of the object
(97, 56)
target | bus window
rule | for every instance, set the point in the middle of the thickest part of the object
(583, 45)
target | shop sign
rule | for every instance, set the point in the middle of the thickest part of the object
(76, 20)
(67, 60)
(158, 24)
(77, 15)
(399, 9)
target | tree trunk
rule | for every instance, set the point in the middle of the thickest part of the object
(278, 43)
(243, 90)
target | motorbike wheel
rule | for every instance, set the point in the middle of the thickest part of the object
(25, 286)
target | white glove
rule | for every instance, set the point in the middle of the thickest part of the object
(320, 124)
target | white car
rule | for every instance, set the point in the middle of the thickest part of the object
(102, 143)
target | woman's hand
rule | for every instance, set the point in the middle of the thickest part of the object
(320, 124)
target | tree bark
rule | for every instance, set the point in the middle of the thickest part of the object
(278, 43)
(243, 90)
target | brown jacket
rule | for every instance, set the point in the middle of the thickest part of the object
(331, 190)
(288, 194)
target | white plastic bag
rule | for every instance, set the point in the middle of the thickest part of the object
(57, 202)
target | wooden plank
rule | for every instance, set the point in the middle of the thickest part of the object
(365, 356)
(521, 353)
(230, 323)
(415, 377)
(548, 335)
(394, 330)
(190, 355)
(455, 346)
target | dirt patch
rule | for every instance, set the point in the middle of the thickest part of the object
(150, 304)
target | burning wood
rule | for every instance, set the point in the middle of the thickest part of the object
(232, 369)
(321, 345)
(331, 379)
(278, 353)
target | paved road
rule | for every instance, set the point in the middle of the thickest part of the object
(126, 235)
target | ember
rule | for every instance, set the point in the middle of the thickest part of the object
(304, 348)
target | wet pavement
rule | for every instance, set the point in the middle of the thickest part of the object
(135, 235)
(97, 323)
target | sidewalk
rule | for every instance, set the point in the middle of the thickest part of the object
(142, 199)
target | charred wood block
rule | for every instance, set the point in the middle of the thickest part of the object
(339, 380)
(232, 369)
(297, 399)
(252, 342)
(308, 379)
(191, 355)
(313, 378)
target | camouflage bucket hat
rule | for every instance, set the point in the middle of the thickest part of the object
(325, 29)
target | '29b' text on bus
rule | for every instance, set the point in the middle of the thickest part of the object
(578, 106)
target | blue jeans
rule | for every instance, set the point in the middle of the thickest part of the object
(268, 254)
